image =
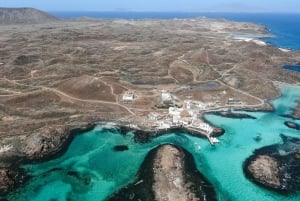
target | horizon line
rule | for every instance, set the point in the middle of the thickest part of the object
(169, 11)
(136, 11)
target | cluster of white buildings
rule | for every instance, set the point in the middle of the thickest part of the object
(186, 115)
(189, 118)
(180, 117)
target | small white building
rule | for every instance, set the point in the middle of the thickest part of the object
(128, 97)
(166, 96)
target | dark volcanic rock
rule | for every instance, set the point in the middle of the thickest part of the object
(218, 132)
(11, 178)
(276, 167)
(167, 173)
(41, 145)
(48, 142)
(120, 147)
(24, 16)
(234, 115)
(45, 142)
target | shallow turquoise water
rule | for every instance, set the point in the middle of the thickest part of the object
(91, 170)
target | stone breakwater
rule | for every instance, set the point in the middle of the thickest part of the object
(276, 167)
(168, 173)
(49, 142)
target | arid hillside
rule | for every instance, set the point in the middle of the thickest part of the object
(24, 16)
(66, 72)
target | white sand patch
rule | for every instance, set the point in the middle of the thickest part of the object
(284, 50)
(250, 39)
(259, 42)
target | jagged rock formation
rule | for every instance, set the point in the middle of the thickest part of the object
(24, 16)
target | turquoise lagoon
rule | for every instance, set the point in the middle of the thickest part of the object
(91, 170)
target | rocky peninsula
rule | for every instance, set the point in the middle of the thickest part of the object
(168, 173)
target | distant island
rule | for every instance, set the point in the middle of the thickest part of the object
(61, 77)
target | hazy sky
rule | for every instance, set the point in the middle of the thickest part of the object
(159, 5)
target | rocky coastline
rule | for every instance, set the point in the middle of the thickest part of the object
(50, 142)
(167, 173)
(276, 167)
(42, 145)
(230, 114)
(38, 97)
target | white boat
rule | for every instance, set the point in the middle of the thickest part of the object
(215, 140)
(198, 147)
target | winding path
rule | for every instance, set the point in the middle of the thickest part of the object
(43, 88)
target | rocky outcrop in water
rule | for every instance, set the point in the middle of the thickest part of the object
(292, 125)
(11, 178)
(276, 167)
(48, 142)
(45, 142)
(168, 173)
(233, 115)
(41, 144)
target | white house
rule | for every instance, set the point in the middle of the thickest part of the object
(128, 97)
(166, 96)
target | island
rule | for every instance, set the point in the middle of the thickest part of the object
(168, 173)
(276, 166)
(62, 77)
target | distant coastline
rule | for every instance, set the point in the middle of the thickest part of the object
(285, 26)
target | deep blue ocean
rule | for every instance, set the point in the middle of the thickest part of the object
(285, 27)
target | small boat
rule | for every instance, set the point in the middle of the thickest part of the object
(137, 183)
(198, 147)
